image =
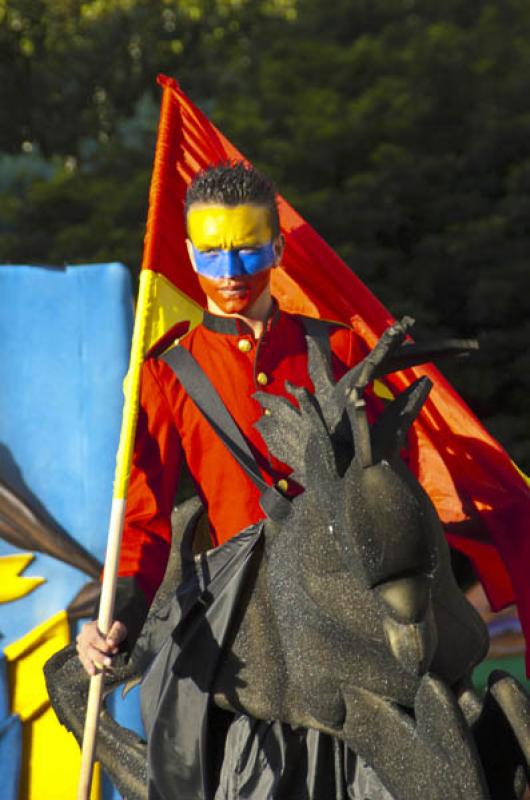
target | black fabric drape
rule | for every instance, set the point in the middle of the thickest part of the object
(198, 752)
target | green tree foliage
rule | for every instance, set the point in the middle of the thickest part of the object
(399, 128)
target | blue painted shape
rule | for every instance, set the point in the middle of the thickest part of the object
(64, 346)
(126, 711)
(10, 753)
(4, 694)
(10, 742)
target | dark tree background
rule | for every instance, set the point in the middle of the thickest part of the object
(399, 128)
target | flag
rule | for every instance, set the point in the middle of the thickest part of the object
(481, 497)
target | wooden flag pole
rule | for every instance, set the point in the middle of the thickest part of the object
(121, 482)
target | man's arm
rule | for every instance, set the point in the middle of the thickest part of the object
(146, 541)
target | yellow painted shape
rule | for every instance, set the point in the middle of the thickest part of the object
(26, 658)
(213, 227)
(160, 306)
(12, 585)
(381, 390)
(50, 755)
(51, 761)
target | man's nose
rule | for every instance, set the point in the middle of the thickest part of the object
(233, 265)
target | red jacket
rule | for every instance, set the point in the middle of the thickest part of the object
(170, 428)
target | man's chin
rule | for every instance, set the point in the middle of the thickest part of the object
(233, 305)
(233, 301)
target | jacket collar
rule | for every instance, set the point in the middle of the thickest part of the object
(235, 326)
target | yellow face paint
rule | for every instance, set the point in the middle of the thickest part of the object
(212, 227)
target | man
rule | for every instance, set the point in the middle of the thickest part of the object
(244, 344)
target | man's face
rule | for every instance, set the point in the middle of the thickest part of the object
(232, 249)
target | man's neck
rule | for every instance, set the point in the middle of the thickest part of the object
(255, 316)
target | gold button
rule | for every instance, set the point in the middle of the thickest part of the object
(282, 485)
(262, 379)
(244, 345)
(267, 412)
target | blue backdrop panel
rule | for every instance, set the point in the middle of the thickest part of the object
(64, 348)
(10, 752)
(64, 339)
(64, 345)
(10, 743)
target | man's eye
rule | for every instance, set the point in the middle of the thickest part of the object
(248, 251)
(211, 252)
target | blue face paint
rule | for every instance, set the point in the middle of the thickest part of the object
(233, 263)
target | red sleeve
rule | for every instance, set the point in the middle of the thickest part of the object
(155, 472)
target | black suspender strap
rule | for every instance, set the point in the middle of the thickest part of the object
(205, 396)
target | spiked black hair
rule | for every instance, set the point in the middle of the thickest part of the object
(232, 184)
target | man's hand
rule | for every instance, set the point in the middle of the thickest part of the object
(95, 651)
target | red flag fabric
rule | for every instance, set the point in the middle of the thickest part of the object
(481, 497)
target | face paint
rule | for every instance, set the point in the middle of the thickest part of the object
(234, 295)
(221, 227)
(233, 263)
(230, 241)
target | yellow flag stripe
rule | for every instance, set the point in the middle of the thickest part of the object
(160, 306)
(168, 306)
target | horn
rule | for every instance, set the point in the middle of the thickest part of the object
(390, 429)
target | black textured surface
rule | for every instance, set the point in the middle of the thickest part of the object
(352, 622)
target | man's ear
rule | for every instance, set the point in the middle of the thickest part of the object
(278, 246)
(191, 254)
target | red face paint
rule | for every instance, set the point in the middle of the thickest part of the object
(235, 295)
